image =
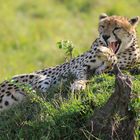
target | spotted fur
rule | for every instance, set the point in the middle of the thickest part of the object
(118, 28)
(98, 58)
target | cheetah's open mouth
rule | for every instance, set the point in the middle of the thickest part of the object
(114, 46)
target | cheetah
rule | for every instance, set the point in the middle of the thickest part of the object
(119, 33)
(117, 43)
(97, 58)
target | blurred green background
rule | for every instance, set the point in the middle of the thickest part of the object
(30, 29)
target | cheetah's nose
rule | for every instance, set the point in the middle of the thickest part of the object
(106, 37)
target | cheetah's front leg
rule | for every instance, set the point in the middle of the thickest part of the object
(108, 59)
(80, 82)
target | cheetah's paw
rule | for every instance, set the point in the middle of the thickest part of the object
(78, 85)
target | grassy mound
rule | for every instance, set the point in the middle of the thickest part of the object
(56, 117)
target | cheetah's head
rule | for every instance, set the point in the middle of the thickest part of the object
(117, 32)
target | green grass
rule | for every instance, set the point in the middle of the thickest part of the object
(40, 117)
(29, 31)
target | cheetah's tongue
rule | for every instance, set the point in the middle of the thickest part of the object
(114, 46)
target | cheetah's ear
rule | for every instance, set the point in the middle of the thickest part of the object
(134, 21)
(102, 16)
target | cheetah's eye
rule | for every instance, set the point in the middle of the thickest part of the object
(117, 28)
